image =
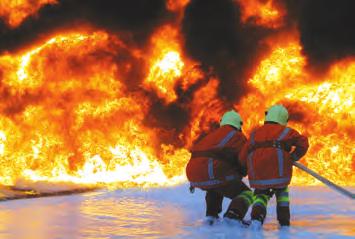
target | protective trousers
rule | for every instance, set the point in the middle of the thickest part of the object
(262, 197)
(235, 190)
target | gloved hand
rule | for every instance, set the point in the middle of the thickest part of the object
(294, 156)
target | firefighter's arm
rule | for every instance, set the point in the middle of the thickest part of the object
(301, 145)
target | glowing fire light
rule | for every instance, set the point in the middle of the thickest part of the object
(327, 110)
(82, 127)
(263, 13)
(174, 5)
(67, 116)
(164, 72)
(99, 137)
(14, 12)
(166, 63)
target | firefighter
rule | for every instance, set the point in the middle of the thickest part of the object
(268, 155)
(215, 168)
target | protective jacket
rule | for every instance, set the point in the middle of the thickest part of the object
(214, 159)
(268, 155)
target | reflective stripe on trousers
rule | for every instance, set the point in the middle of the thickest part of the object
(261, 200)
(282, 197)
(248, 196)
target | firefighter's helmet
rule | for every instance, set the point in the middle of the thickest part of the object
(278, 114)
(232, 118)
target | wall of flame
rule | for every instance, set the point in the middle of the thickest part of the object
(68, 116)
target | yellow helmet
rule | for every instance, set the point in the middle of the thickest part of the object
(278, 114)
(232, 118)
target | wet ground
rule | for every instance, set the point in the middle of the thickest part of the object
(317, 212)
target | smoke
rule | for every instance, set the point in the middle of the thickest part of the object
(213, 34)
(134, 19)
(169, 119)
(215, 37)
(173, 118)
(326, 28)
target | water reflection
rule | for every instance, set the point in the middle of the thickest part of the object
(166, 213)
(105, 215)
(38, 219)
(326, 224)
(131, 218)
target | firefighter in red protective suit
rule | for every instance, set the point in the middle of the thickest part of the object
(214, 167)
(268, 155)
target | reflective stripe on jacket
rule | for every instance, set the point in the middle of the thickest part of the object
(270, 164)
(216, 169)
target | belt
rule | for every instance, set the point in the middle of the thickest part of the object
(270, 144)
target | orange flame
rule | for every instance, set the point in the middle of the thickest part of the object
(174, 5)
(66, 117)
(327, 109)
(263, 13)
(14, 12)
(167, 65)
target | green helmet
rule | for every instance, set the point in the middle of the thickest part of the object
(232, 118)
(278, 114)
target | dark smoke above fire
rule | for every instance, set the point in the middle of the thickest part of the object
(134, 19)
(326, 29)
(214, 36)
(212, 27)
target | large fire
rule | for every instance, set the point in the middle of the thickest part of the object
(322, 109)
(68, 116)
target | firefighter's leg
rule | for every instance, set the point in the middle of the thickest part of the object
(213, 203)
(283, 206)
(240, 203)
(261, 198)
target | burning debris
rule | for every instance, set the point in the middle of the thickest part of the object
(115, 94)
